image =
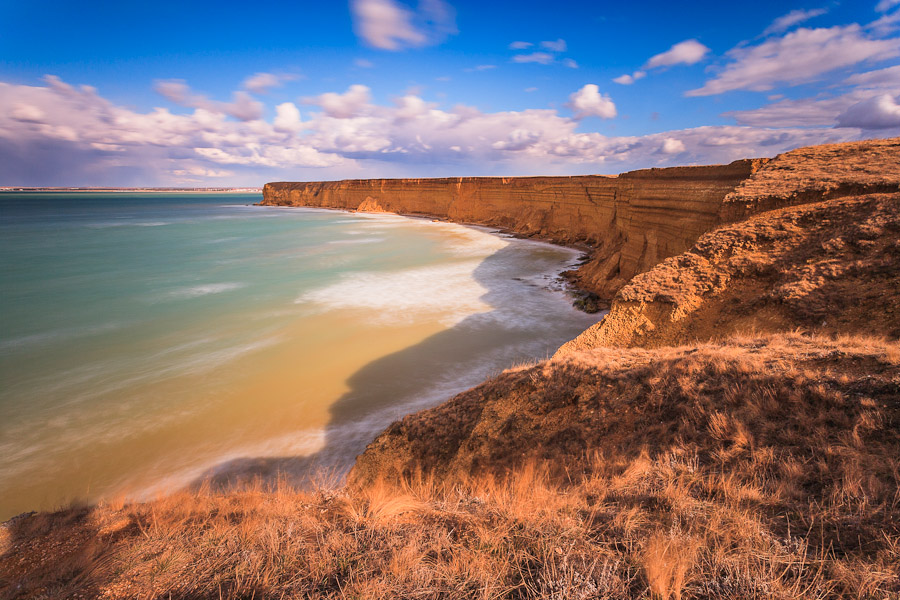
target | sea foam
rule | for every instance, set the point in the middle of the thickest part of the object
(196, 291)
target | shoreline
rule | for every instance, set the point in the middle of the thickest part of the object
(546, 283)
(569, 283)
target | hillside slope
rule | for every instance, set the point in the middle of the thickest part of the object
(828, 267)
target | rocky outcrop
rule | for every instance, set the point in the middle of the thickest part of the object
(820, 254)
(631, 222)
(817, 173)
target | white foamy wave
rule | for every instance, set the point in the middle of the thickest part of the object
(448, 293)
(471, 241)
(366, 240)
(126, 223)
(204, 290)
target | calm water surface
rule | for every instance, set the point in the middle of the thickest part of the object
(147, 340)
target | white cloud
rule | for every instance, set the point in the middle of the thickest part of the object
(197, 171)
(287, 117)
(389, 25)
(411, 107)
(557, 46)
(362, 63)
(520, 45)
(482, 68)
(27, 112)
(589, 102)
(886, 5)
(542, 58)
(260, 83)
(687, 52)
(570, 62)
(343, 106)
(889, 77)
(879, 112)
(629, 79)
(794, 17)
(796, 58)
(75, 135)
(242, 106)
(672, 146)
(805, 112)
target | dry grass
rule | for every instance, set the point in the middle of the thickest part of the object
(766, 468)
(815, 173)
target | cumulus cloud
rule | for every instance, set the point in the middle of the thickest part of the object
(390, 25)
(343, 106)
(687, 52)
(797, 57)
(672, 146)
(794, 17)
(570, 62)
(886, 5)
(589, 102)
(287, 118)
(629, 79)
(242, 106)
(879, 112)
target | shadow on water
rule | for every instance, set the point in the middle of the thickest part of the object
(417, 377)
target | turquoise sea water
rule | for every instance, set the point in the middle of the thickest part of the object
(151, 339)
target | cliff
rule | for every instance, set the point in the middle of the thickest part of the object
(631, 221)
(828, 260)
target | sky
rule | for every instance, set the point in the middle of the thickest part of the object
(237, 94)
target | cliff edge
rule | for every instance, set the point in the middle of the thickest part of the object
(631, 221)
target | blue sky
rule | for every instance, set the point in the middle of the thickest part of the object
(203, 93)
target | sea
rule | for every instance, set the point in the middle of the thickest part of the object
(155, 341)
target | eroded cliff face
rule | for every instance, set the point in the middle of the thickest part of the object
(810, 241)
(631, 222)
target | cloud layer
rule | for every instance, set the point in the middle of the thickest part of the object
(79, 137)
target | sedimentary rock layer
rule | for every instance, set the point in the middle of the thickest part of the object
(632, 221)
